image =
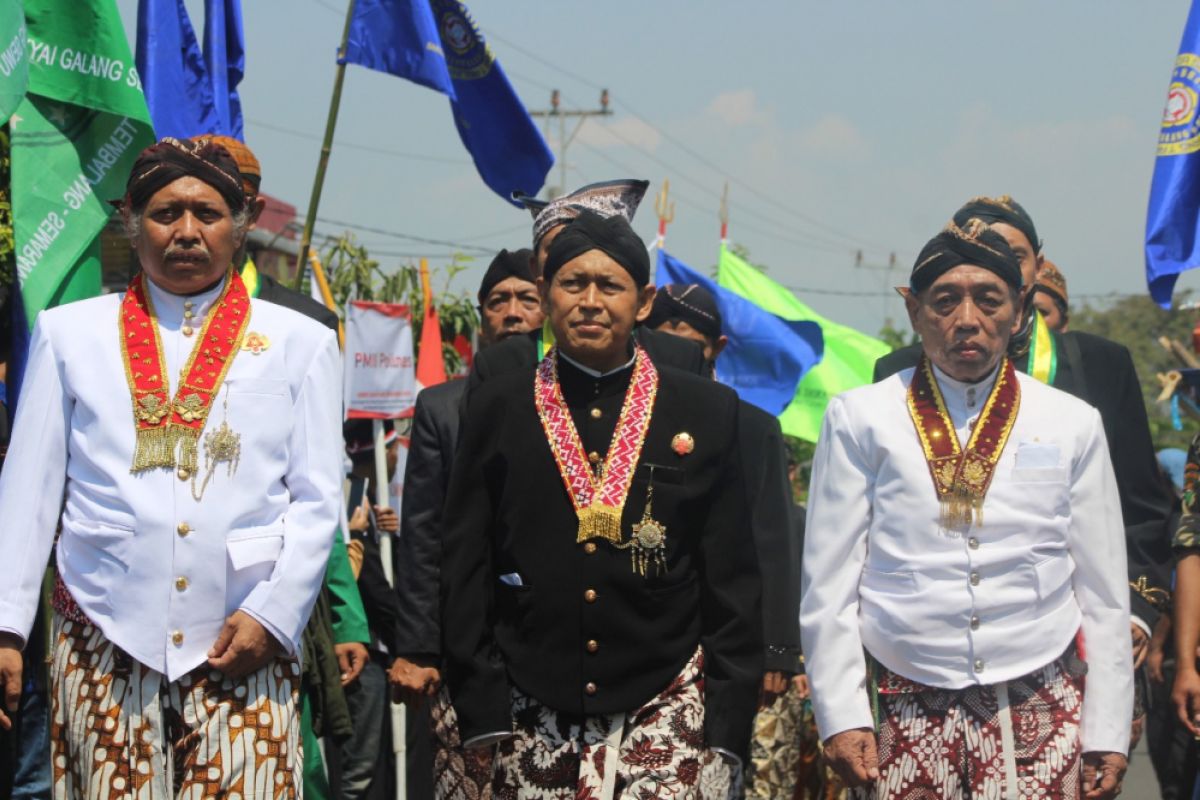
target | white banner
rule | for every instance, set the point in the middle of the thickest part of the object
(380, 381)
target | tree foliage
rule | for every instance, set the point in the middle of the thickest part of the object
(354, 275)
(1137, 322)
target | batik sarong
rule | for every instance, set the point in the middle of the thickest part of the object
(121, 731)
(1015, 739)
(654, 751)
(775, 750)
(458, 774)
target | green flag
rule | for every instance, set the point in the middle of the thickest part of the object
(75, 137)
(849, 359)
(14, 69)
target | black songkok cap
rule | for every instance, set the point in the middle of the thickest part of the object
(507, 264)
(1000, 209)
(613, 236)
(975, 244)
(690, 303)
(171, 159)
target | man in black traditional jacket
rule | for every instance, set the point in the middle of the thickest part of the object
(1100, 372)
(600, 598)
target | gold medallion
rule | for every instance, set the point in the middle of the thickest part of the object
(648, 545)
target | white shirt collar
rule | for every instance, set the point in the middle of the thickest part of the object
(170, 308)
(596, 373)
(969, 396)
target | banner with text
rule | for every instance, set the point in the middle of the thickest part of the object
(380, 381)
(75, 137)
(14, 68)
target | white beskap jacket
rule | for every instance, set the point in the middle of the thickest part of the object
(156, 570)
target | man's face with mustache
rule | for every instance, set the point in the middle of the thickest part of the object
(187, 236)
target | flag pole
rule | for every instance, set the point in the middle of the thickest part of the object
(665, 211)
(725, 215)
(335, 102)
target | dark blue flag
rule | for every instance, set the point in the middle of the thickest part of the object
(225, 58)
(1172, 244)
(436, 44)
(766, 356)
(175, 79)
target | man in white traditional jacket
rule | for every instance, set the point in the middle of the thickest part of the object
(965, 562)
(185, 437)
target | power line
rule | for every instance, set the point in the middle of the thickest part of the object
(353, 146)
(407, 236)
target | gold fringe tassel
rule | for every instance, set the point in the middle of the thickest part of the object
(599, 521)
(156, 447)
(958, 509)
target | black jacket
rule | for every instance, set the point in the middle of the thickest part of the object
(508, 513)
(275, 292)
(764, 463)
(435, 428)
(1101, 373)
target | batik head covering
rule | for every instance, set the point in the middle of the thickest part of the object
(247, 162)
(614, 236)
(1052, 282)
(976, 244)
(690, 303)
(1000, 209)
(607, 198)
(171, 159)
(507, 264)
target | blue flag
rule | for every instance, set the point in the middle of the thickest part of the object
(190, 93)
(225, 58)
(174, 76)
(1172, 244)
(436, 44)
(766, 356)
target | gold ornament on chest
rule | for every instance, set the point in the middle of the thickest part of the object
(648, 545)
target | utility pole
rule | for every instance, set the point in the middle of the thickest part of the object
(886, 270)
(555, 112)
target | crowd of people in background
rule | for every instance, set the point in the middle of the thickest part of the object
(604, 583)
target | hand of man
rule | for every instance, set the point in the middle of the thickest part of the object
(242, 646)
(412, 683)
(352, 658)
(386, 520)
(11, 669)
(1186, 696)
(1141, 644)
(774, 684)
(1102, 775)
(360, 520)
(853, 756)
(800, 684)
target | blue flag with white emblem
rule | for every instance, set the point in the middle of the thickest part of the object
(766, 355)
(436, 43)
(1173, 218)
(174, 75)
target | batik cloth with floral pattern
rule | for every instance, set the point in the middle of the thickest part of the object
(1187, 535)
(121, 731)
(1015, 739)
(654, 751)
(458, 774)
(775, 748)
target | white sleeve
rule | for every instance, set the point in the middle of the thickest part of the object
(835, 550)
(31, 486)
(314, 480)
(1096, 540)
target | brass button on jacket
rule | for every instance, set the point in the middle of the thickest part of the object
(590, 595)
(592, 645)
(183, 529)
(589, 548)
(181, 583)
(590, 688)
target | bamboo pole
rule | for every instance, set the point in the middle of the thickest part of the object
(335, 102)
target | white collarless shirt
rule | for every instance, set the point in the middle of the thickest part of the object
(156, 570)
(981, 603)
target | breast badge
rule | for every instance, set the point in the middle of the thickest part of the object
(255, 342)
(683, 443)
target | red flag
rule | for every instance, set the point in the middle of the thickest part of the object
(431, 368)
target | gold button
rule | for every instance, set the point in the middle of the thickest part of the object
(183, 473)
(589, 548)
(177, 638)
(597, 413)
(183, 529)
(590, 595)
(592, 645)
(187, 330)
(590, 688)
(594, 457)
(181, 583)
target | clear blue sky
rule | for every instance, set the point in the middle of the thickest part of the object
(842, 125)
